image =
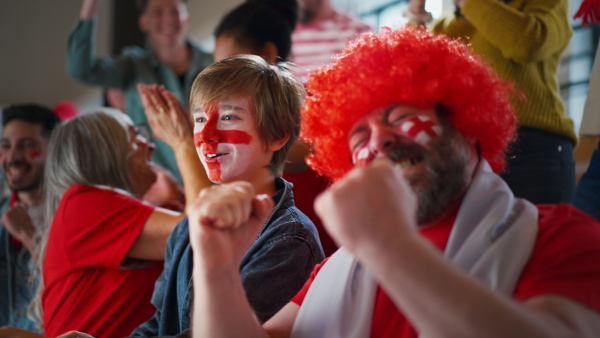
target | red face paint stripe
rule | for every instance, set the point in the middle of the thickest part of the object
(35, 153)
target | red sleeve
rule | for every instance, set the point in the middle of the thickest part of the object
(100, 226)
(566, 258)
(299, 297)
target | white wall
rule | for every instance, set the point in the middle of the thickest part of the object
(33, 39)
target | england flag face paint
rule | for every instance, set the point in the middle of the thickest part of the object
(421, 129)
(381, 129)
(227, 141)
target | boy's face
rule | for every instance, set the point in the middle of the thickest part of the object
(228, 143)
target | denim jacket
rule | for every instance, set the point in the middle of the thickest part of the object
(273, 270)
(16, 288)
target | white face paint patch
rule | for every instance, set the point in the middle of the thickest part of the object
(361, 155)
(421, 129)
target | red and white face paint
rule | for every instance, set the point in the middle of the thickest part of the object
(421, 129)
(227, 141)
(372, 136)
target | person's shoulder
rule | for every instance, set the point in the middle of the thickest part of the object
(564, 221)
(555, 214)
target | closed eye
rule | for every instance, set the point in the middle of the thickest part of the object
(357, 140)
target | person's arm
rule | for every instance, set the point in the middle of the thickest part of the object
(89, 9)
(530, 34)
(172, 123)
(438, 298)
(82, 62)
(152, 240)
(161, 288)
(224, 221)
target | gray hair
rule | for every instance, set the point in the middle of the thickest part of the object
(91, 149)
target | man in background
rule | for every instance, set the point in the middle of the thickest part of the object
(23, 149)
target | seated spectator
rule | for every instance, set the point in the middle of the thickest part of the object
(246, 117)
(434, 243)
(104, 247)
(23, 148)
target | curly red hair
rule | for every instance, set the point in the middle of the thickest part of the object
(410, 66)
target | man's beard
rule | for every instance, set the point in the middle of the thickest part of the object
(445, 177)
(31, 187)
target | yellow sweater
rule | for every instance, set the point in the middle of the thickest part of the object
(523, 41)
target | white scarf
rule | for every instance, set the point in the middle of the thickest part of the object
(492, 238)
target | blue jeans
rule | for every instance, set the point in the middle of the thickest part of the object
(540, 167)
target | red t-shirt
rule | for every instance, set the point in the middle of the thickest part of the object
(85, 287)
(565, 261)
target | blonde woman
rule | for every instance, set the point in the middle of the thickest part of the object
(105, 245)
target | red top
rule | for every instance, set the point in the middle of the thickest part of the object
(85, 287)
(565, 261)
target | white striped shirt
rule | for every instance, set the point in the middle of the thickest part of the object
(315, 44)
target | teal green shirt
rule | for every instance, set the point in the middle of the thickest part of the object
(134, 65)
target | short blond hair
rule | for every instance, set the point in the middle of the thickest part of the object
(277, 97)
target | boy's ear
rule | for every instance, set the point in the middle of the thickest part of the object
(276, 145)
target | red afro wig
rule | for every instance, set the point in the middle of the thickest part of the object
(411, 66)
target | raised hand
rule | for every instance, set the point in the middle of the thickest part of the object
(168, 118)
(224, 221)
(369, 208)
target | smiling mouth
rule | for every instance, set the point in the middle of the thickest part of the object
(213, 155)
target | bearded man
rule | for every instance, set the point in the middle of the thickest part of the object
(23, 150)
(413, 129)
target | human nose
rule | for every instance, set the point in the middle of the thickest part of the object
(210, 133)
(13, 154)
(381, 141)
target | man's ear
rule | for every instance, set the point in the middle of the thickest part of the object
(142, 23)
(269, 52)
(276, 145)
